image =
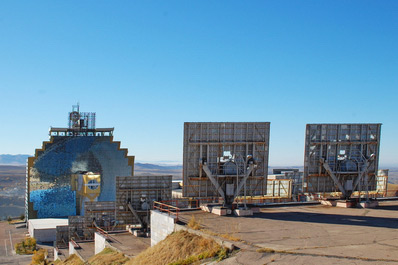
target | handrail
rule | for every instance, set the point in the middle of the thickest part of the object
(102, 231)
(162, 207)
(75, 245)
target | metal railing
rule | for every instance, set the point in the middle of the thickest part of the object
(163, 207)
(103, 232)
(74, 244)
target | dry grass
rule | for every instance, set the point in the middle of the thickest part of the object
(108, 256)
(226, 236)
(73, 260)
(392, 190)
(39, 256)
(265, 250)
(57, 262)
(194, 224)
(230, 237)
(180, 248)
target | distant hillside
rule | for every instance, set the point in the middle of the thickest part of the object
(151, 169)
(13, 159)
(153, 166)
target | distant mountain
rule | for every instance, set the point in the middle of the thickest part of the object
(13, 159)
(153, 166)
(141, 169)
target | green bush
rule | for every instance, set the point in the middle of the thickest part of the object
(27, 246)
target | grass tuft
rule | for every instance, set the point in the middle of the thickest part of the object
(194, 224)
(108, 256)
(73, 260)
(180, 248)
(265, 250)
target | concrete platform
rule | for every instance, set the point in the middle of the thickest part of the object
(206, 208)
(219, 211)
(328, 202)
(129, 244)
(86, 250)
(314, 234)
(255, 209)
(370, 204)
(346, 204)
(243, 212)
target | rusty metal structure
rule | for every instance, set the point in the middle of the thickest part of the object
(81, 124)
(341, 158)
(135, 197)
(225, 159)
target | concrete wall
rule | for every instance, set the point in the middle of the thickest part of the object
(100, 242)
(31, 229)
(43, 235)
(72, 249)
(55, 254)
(162, 225)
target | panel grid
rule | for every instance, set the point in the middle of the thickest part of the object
(209, 142)
(348, 149)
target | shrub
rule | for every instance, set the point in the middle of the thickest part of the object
(39, 256)
(27, 246)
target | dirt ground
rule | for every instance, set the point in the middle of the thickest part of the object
(9, 235)
(311, 235)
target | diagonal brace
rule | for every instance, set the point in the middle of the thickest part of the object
(365, 171)
(333, 176)
(214, 181)
(243, 181)
(135, 214)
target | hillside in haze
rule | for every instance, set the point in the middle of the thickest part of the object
(13, 159)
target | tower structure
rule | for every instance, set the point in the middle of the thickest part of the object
(79, 163)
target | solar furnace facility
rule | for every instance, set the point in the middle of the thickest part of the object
(79, 164)
(341, 158)
(225, 159)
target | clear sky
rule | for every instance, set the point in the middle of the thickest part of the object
(146, 67)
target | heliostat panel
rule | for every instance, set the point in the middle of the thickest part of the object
(226, 149)
(350, 152)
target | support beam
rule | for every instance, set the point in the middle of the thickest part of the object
(333, 176)
(358, 179)
(243, 181)
(135, 214)
(363, 173)
(214, 181)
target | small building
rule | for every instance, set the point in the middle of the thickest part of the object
(45, 230)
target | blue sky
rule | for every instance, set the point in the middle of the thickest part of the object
(146, 67)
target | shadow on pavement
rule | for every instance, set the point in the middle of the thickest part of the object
(332, 218)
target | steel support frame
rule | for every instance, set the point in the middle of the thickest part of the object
(239, 184)
(333, 176)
